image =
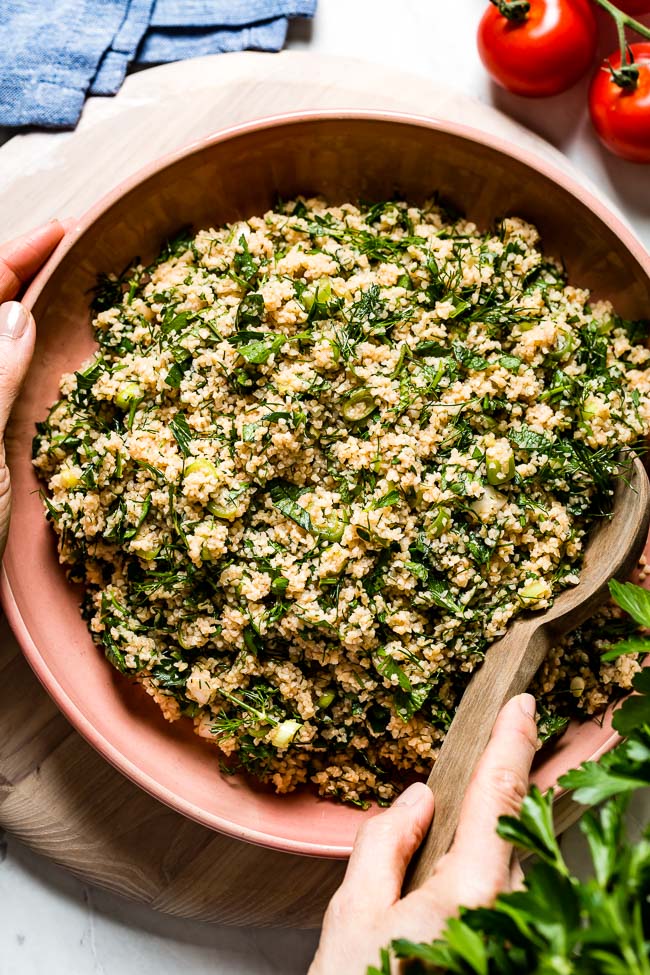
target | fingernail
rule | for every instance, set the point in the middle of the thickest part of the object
(412, 796)
(13, 320)
(528, 705)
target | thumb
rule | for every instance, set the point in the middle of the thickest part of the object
(16, 346)
(479, 859)
(384, 846)
(21, 258)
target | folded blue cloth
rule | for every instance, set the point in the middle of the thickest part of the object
(168, 45)
(52, 57)
(226, 13)
(112, 67)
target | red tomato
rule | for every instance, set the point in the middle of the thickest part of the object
(621, 116)
(544, 53)
(634, 7)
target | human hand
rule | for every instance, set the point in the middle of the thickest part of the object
(20, 259)
(368, 911)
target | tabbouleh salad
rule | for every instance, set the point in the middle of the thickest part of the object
(320, 460)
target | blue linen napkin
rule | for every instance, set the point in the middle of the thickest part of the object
(113, 65)
(52, 56)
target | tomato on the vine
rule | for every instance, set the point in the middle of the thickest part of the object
(537, 47)
(634, 7)
(621, 115)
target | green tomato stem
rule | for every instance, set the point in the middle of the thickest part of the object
(627, 76)
(516, 10)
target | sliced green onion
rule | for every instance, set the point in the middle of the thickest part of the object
(534, 590)
(182, 640)
(229, 506)
(591, 407)
(67, 478)
(401, 361)
(438, 522)
(332, 530)
(404, 281)
(320, 294)
(149, 554)
(500, 464)
(205, 554)
(336, 350)
(284, 733)
(128, 394)
(487, 505)
(325, 699)
(279, 585)
(564, 345)
(201, 465)
(358, 405)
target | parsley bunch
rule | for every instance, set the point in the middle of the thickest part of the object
(560, 925)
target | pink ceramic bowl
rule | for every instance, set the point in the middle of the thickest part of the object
(228, 176)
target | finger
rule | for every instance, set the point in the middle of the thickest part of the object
(16, 346)
(498, 788)
(21, 258)
(385, 845)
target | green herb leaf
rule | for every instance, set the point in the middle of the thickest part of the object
(510, 362)
(418, 570)
(259, 352)
(442, 597)
(467, 358)
(174, 323)
(432, 349)
(167, 676)
(468, 944)
(89, 376)
(393, 497)
(389, 668)
(248, 335)
(283, 496)
(175, 376)
(438, 955)
(635, 711)
(480, 552)
(250, 310)
(594, 782)
(633, 644)
(182, 433)
(634, 599)
(408, 703)
(113, 654)
(527, 439)
(533, 829)
(107, 293)
(132, 530)
(245, 266)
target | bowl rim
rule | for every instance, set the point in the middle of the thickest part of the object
(31, 652)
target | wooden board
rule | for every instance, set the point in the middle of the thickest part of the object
(56, 793)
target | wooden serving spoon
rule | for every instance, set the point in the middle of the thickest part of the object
(612, 551)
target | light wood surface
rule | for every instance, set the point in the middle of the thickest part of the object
(56, 793)
(613, 550)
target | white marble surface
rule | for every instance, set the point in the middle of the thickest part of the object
(49, 921)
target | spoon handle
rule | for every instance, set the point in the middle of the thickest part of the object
(508, 669)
